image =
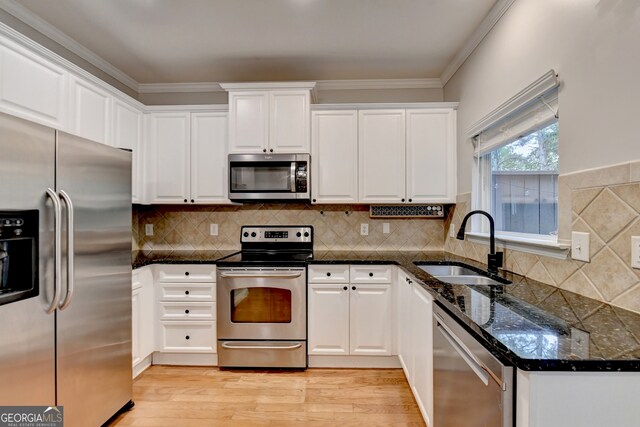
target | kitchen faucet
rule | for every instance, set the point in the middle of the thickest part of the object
(494, 259)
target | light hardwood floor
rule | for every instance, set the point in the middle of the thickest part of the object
(196, 396)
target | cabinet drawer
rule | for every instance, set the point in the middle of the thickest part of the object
(188, 336)
(329, 273)
(187, 311)
(187, 273)
(371, 273)
(187, 292)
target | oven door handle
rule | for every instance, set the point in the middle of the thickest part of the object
(245, 275)
(261, 347)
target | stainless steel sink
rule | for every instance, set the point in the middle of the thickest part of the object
(455, 274)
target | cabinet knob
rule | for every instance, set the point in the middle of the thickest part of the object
(402, 200)
(185, 200)
(187, 337)
(407, 279)
(271, 150)
(345, 288)
(410, 200)
(186, 292)
(370, 274)
(186, 273)
(328, 274)
(186, 312)
(264, 150)
(353, 287)
(314, 200)
(193, 201)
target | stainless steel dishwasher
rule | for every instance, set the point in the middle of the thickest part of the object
(471, 387)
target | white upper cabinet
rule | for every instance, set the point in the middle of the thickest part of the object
(32, 87)
(431, 152)
(334, 156)
(209, 170)
(127, 133)
(269, 117)
(248, 122)
(382, 156)
(167, 157)
(90, 111)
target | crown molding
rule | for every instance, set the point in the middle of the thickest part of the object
(12, 7)
(538, 88)
(179, 87)
(489, 21)
(434, 83)
(378, 106)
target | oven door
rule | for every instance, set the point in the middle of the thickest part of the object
(261, 304)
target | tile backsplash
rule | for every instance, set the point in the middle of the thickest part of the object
(336, 227)
(609, 212)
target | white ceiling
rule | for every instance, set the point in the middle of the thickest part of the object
(183, 41)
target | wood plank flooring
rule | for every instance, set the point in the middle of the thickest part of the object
(197, 396)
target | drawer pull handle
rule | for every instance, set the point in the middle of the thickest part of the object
(328, 274)
(186, 312)
(370, 274)
(187, 337)
(186, 292)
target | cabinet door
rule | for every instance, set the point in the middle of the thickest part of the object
(334, 157)
(421, 318)
(209, 171)
(167, 157)
(328, 314)
(431, 152)
(135, 327)
(127, 133)
(371, 320)
(289, 121)
(147, 313)
(248, 122)
(405, 325)
(90, 111)
(31, 87)
(381, 159)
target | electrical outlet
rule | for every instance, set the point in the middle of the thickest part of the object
(148, 229)
(364, 229)
(452, 230)
(385, 228)
(213, 229)
(580, 246)
(635, 251)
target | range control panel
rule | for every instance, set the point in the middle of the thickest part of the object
(273, 234)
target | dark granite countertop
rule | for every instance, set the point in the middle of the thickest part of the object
(142, 258)
(533, 326)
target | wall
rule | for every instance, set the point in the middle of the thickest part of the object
(336, 227)
(592, 44)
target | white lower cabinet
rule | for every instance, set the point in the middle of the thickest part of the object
(404, 338)
(188, 336)
(422, 350)
(142, 319)
(353, 317)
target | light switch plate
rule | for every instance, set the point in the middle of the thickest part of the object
(580, 246)
(452, 230)
(364, 229)
(148, 229)
(213, 229)
(385, 228)
(635, 251)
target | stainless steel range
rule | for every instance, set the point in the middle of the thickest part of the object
(262, 299)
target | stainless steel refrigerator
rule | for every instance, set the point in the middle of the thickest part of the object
(65, 319)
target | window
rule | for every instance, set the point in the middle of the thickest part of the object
(523, 183)
(517, 165)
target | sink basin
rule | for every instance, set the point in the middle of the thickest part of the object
(457, 274)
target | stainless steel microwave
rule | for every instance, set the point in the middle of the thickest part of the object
(263, 177)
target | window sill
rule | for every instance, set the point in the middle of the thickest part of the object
(550, 248)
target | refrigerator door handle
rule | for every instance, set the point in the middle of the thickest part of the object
(57, 275)
(70, 251)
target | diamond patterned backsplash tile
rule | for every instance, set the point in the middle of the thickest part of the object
(336, 227)
(611, 214)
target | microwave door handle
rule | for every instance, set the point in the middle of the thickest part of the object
(293, 177)
(57, 250)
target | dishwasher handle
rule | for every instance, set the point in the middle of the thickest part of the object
(476, 365)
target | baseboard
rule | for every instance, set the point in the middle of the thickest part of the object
(142, 365)
(354, 362)
(185, 359)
